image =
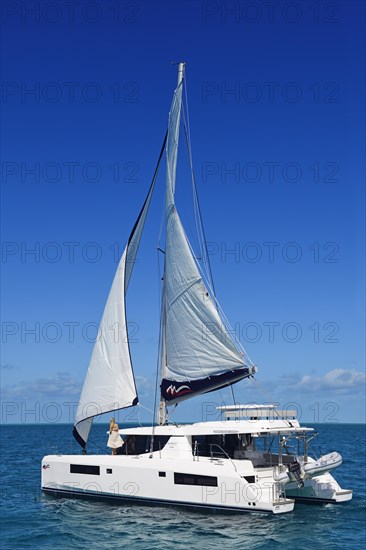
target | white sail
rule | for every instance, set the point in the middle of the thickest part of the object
(198, 344)
(109, 384)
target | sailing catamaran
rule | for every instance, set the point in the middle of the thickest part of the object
(255, 459)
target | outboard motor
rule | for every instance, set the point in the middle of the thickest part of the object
(294, 469)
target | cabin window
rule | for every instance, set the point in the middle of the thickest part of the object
(84, 469)
(216, 446)
(190, 479)
(109, 470)
(140, 444)
(162, 474)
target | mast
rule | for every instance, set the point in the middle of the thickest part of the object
(171, 152)
(162, 413)
(180, 72)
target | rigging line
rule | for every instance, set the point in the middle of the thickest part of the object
(138, 415)
(161, 223)
(232, 393)
(161, 274)
(222, 397)
(264, 392)
(171, 413)
(230, 330)
(186, 122)
(140, 406)
(196, 216)
(200, 228)
(186, 102)
(98, 447)
(158, 362)
(195, 193)
(146, 408)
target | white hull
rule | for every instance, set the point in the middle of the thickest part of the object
(141, 479)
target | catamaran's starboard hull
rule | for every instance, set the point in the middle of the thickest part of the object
(277, 509)
(322, 489)
(202, 485)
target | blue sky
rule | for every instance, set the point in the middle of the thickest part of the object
(276, 99)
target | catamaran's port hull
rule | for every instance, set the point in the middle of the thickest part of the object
(199, 485)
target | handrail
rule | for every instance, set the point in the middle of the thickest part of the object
(225, 453)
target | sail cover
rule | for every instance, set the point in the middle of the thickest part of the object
(109, 384)
(198, 352)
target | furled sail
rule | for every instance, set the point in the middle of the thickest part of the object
(109, 384)
(198, 352)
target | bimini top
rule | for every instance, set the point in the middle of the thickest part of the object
(257, 412)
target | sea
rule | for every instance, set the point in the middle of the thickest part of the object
(32, 520)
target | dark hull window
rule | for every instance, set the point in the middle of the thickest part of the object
(190, 479)
(249, 479)
(84, 469)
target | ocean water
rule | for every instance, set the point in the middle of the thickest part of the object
(32, 520)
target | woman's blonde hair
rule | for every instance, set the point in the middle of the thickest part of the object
(111, 422)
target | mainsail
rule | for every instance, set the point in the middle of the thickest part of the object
(198, 354)
(109, 384)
